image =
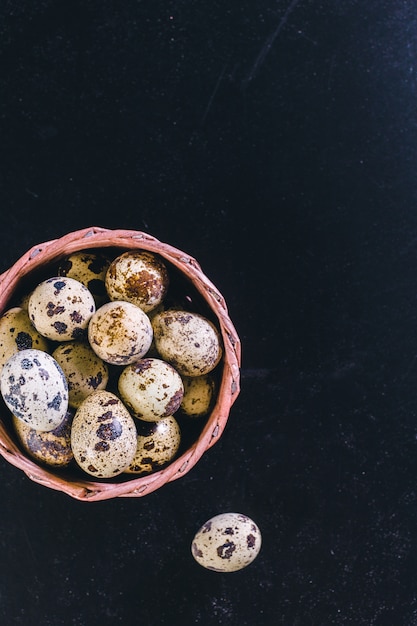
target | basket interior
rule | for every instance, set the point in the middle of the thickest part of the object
(190, 289)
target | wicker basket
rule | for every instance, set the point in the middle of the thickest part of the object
(35, 261)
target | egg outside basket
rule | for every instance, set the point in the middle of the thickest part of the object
(39, 257)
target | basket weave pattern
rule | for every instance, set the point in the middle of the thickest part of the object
(96, 237)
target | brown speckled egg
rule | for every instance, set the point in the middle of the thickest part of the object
(227, 542)
(84, 370)
(17, 333)
(103, 435)
(198, 395)
(35, 389)
(138, 276)
(51, 448)
(157, 445)
(90, 269)
(151, 389)
(60, 308)
(120, 333)
(189, 341)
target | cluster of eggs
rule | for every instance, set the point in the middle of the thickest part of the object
(96, 365)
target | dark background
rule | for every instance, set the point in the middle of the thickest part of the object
(276, 142)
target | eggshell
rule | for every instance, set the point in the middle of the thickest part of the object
(51, 448)
(90, 269)
(227, 542)
(60, 308)
(151, 388)
(34, 389)
(120, 333)
(103, 435)
(157, 444)
(138, 276)
(84, 370)
(17, 333)
(198, 395)
(187, 340)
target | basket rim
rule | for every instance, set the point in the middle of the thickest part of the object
(99, 237)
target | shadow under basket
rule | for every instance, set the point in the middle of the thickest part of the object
(36, 265)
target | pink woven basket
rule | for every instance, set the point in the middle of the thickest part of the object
(37, 259)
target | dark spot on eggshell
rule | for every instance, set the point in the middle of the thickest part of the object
(141, 366)
(102, 446)
(15, 403)
(43, 373)
(226, 550)
(79, 333)
(149, 445)
(92, 469)
(55, 402)
(250, 541)
(109, 432)
(59, 285)
(111, 401)
(23, 341)
(174, 404)
(207, 527)
(97, 264)
(228, 531)
(52, 309)
(26, 364)
(60, 327)
(76, 317)
(105, 416)
(95, 381)
(196, 550)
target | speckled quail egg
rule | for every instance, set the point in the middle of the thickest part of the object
(84, 370)
(198, 395)
(35, 389)
(227, 542)
(138, 276)
(189, 341)
(103, 435)
(157, 444)
(90, 268)
(120, 333)
(17, 333)
(51, 448)
(60, 308)
(151, 389)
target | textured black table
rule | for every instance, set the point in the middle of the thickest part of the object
(275, 142)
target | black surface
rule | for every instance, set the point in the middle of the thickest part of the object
(275, 142)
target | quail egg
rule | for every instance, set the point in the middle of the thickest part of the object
(60, 308)
(120, 333)
(52, 448)
(138, 276)
(198, 395)
(90, 269)
(35, 389)
(103, 435)
(157, 444)
(227, 542)
(84, 370)
(17, 333)
(189, 341)
(151, 389)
